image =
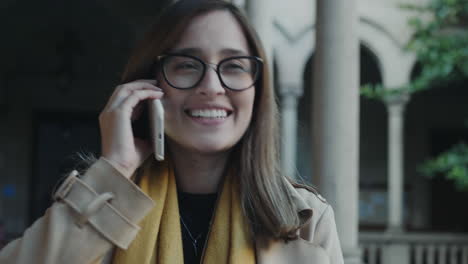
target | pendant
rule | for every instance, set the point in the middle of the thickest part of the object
(194, 243)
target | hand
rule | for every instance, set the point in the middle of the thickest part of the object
(119, 146)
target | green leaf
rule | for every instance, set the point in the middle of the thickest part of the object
(452, 164)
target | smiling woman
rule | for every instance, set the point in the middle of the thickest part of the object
(219, 197)
(202, 115)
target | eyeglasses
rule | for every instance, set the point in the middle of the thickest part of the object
(183, 71)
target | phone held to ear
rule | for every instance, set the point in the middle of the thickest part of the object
(156, 120)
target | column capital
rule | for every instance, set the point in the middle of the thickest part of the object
(397, 99)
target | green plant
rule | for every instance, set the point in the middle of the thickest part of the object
(440, 42)
(452, 163)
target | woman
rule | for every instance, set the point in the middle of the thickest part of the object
(220, 196)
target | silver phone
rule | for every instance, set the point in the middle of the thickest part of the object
(156, 115)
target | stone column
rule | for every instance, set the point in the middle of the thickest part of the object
(290, 95)
(395, 106)
(396, 252)
(260, 14)
(336, 117)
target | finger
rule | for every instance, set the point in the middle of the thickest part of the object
(125, 90)
(137, 96)
(138, 84)
(152, 81)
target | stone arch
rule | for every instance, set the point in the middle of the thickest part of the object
(291, 51)
(298, 47)
(378, 46)
(389, 50)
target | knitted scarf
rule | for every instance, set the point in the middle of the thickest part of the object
(159, 241)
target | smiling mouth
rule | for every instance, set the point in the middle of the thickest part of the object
(209, 113)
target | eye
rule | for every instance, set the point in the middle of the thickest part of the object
(186, 65)
(182, 65)
(235, 66)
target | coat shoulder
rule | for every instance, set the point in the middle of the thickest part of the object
(311, 197)
(307, 191)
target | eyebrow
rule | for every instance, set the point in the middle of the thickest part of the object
(198, 51)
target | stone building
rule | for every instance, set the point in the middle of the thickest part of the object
(61, 60)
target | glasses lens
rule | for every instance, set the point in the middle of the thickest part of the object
(239, 73)
(182, 72)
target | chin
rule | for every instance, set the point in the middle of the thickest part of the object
(203, 145)
(211, 148)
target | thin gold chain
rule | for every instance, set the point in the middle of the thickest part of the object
(194, 240)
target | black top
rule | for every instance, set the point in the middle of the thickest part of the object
(195, 211)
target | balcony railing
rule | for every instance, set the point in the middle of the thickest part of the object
(414, 248)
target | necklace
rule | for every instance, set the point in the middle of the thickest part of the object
(193, 240)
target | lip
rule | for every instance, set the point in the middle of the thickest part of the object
(208, 121)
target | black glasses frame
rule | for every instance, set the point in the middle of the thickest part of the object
(258, 61)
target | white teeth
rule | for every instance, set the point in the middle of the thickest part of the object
(209, 113)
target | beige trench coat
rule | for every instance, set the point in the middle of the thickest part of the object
(100, 210)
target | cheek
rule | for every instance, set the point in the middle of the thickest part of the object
(172, 102)
(245, 106)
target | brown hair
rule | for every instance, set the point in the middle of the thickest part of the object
(264, 194)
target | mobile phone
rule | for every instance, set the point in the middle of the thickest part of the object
(156, 120)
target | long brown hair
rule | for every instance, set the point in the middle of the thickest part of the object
(263, 190)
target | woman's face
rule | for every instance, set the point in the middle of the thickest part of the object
(208, 118)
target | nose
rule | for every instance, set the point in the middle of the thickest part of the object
(210, 85)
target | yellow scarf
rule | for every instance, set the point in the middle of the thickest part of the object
(159, 240)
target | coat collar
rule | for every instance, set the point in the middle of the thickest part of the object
(304, 210)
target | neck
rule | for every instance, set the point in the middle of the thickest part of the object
(196, 172)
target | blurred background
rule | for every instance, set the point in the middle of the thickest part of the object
(60, 60)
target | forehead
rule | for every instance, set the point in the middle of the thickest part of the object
(214, 32)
